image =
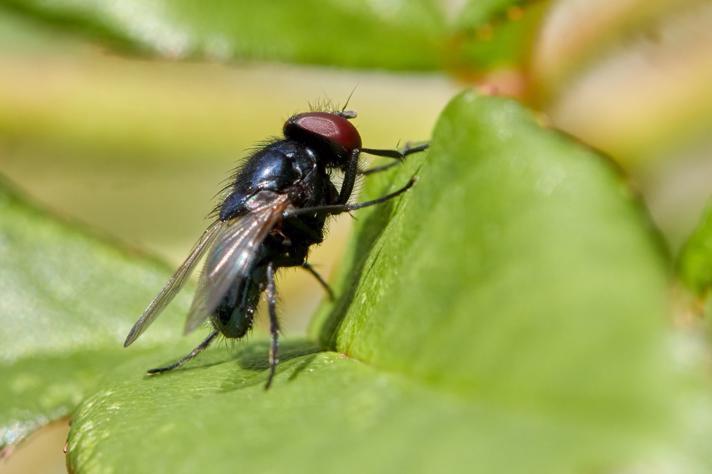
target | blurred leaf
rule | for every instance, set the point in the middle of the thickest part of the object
(400, 34)
(506, 315)
(396, 35)
(695, 259)
(568, 47)
(633, 79)
(23, 35)
(68, 300)
(492, 35)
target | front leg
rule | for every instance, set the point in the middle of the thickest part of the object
(398, 155)
(408, 149)
(350, 172)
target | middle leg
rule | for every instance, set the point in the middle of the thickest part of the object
(339, 208)
(271, 291)
(298, 258)
(320, 279)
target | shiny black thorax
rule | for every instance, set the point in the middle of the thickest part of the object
(284, 167)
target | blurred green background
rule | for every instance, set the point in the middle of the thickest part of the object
(130, 127)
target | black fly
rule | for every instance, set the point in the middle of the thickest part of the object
(274, 212)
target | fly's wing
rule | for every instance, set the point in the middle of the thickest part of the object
(233, 254)
(174, 284)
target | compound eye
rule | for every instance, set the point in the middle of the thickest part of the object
(332, 128)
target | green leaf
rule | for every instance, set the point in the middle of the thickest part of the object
(469, 38)
(505, 315)
(494, 34)
(695, 259)
(68, 300)
(510, 220)
(402, 34)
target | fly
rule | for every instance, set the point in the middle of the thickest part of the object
(274, 212)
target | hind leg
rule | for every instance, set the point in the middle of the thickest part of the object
(198, 349)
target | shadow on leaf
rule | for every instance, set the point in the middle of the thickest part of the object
(253, 358)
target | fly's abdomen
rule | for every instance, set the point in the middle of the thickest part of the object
(234, 315)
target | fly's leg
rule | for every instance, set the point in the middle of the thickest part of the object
(339, 208)
(399, 155)
(299, 260)
(351, 170)
(320, 279)
(198, 349)
(271, 292)
(378, 169)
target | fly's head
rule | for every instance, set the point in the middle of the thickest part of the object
(331, 134)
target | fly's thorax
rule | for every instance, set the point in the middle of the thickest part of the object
(279, 167)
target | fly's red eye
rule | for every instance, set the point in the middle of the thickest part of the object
(333, 129)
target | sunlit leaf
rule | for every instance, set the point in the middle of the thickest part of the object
(506, 315)
(68, 300)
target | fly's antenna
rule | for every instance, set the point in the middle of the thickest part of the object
(348, 99)
(348, 113)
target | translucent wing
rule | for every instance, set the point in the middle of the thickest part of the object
(233, 254)
(174, 284)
